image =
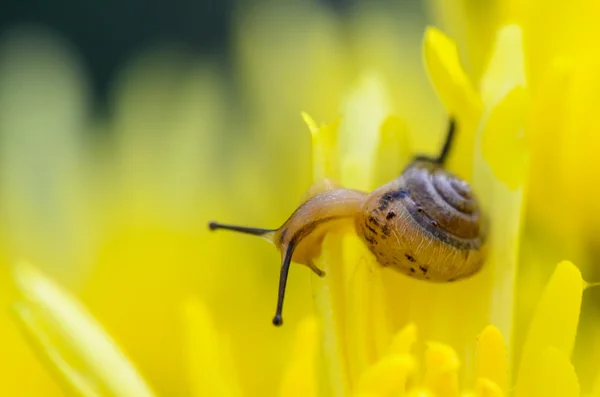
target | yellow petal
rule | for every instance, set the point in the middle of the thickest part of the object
(554, 151)
(210, 369)
(68, 376)
(72, 339)
(441, 374)
(359, 276)
(506, 69)
(553, 376)
(487, 388)
(394, 150)
(474, 25)
(329, 298)
(503, 141)
(554, 324)
(365, 109)
(492, 357)
(404, 340)
(387, 376)
(446, 73)
(458, 95)
(299, 379)
(325, 159)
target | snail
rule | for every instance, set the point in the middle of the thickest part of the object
(426, 224)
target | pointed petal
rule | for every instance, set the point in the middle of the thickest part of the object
(506, 68)
(441, 374)
(487, 388)
(329, 298)
(68, 376)
(387, 376)
(553, 376)
(554, 324)
(394, 150)
(492, 359)
(446, 73)
(359, 276)
(503, 133)
(325, 157)
(456, 91)
(474, 25)
(506, 98)
(77, 335)
(404, 340)
(499, 183)
(365, 109)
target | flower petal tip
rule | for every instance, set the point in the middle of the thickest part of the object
(434, 36)
(310, 122)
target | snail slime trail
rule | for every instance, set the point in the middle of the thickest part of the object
(425, 224)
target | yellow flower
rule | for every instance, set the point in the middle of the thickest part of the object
(147, 195)
(376, 332)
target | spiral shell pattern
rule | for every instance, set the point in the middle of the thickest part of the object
(426, 223)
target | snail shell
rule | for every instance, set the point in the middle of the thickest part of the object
(426, 224)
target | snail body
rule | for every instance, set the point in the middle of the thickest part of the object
(425, 224)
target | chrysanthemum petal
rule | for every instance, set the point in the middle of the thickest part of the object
(554, 150)
(488, 388)
(506, 100)
(441, 374)
(299, 379)
(325, 159)
(456, 91)
(329, 297)
(76, 336)
(210, 370)
(553, 376)
(393, 152)
(365, 109)
(506, 68)
(499, 181)
(446, 73)
(68, 376)
(404, 340)
(554, 324)
(387, 376)
(474, 25)
(492, 359)
(503, 133)
(358, 289)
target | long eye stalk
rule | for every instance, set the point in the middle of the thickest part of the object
(285, 267)
(443, 156)
(448, 143)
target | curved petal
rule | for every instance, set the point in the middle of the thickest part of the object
(73, 341)
(554, 324)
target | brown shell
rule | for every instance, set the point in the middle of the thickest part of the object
(426, 224)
